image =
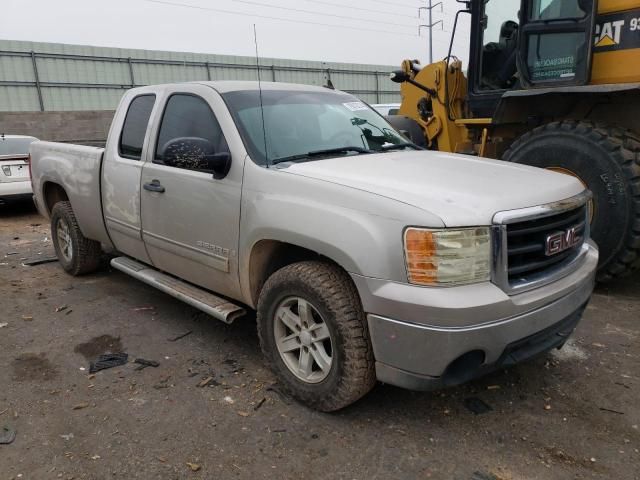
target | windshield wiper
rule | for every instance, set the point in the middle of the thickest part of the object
(318, 153)
(398, 146)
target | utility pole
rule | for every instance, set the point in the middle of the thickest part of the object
(430, 25)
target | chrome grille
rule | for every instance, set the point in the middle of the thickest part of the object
(526, 243)
(537, 245)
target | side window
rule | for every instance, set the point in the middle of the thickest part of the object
(499, 39)
(189, 134)
(135, 126)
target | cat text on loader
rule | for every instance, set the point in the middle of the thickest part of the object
(550, 83)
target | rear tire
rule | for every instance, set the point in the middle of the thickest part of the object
(607, 160)
(334, 303)
(76, 253)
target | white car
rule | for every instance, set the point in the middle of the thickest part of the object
(15, 181)
(385, 109)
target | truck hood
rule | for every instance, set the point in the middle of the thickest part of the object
(460, 189)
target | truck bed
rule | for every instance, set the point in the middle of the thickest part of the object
(77, 168)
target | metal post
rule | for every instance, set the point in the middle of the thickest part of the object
(430, 33)
(273, 72)
(377, 87)
(37, 79)
(206, 65)
(133, 80)
(430, 25)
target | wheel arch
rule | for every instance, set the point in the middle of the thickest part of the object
(268, 256)
(53, 193)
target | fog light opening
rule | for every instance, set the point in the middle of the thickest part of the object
(463, 368)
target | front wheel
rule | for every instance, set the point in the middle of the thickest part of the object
(314, 335)
(76, 253)
(607, 161)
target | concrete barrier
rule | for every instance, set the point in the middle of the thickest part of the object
(83, 127)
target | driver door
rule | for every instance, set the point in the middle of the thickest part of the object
(190, 220)
(555, 40)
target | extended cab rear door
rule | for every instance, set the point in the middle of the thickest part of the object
(122, 170)
(190, 219)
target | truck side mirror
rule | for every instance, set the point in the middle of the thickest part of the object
(195, 153)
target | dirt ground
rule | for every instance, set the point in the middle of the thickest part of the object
(572, 415)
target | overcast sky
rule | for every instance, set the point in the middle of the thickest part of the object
(356, 31)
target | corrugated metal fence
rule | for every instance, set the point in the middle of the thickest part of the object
(54, 77)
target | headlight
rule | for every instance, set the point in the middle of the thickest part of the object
(447, 257)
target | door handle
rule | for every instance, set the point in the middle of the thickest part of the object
(154, 186)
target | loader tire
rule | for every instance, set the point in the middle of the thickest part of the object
(606, 160)
(76, 253)
(311, 311)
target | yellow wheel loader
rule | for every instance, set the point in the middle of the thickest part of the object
(550, 83)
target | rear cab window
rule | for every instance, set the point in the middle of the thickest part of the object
(134, 127)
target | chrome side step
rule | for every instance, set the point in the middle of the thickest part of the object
(196, 297)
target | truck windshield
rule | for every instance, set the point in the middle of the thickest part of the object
(298, 122)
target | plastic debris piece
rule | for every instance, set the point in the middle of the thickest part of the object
(142, 363)
(39, 261)
(80, 406)
(193, 466)
(2, 325)
(108, 360)
(205, 382)
(182, 335)
(61, 308)
(476, 406)
(7, 435)
(260, 403)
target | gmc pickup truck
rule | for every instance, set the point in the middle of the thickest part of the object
(364, 256)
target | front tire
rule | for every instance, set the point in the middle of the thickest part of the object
(314, 335)
(76, 253)
(607, 161)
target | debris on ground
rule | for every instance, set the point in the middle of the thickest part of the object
(193, 466)
(242, 413)
(67, 436)
(611, 411)
(182, 335)
(143, 309)
(229, 400)
(61, 308)
(142, 363)
(260, 403)
(80, 406)
(2, 325)
(39, 261)
(108, 360)
(7, 435)
(163, 383)
(27, 318)
(205, 382)
(476, 406)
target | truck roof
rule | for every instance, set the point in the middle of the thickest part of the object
(225, 86)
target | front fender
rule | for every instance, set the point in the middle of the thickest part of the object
(360, 231)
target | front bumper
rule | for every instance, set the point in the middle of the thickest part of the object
(427, 338)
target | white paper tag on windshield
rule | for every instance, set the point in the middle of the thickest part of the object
(355, 106)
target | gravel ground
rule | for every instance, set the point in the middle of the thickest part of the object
(574, 414)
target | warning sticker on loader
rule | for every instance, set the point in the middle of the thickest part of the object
(617, 31)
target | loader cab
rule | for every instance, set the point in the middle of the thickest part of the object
(518, 45)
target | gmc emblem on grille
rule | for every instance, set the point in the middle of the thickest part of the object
(557, 242)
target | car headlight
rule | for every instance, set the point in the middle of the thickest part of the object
(447, 256)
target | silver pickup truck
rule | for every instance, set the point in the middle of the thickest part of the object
(364, 256)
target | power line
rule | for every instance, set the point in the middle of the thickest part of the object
(382, 12)
(312, 12)
(395, 4)
(269, 17)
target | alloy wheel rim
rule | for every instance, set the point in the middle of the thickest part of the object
(303, 340)
(64, 239)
